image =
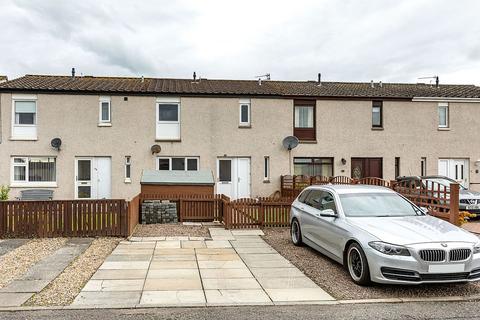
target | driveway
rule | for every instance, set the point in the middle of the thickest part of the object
(231, 268)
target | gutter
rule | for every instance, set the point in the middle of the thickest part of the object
(444, 99)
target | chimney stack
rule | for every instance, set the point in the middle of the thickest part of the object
(194, 76)
(380, 84)
(437, 81)
(319, 79)
(73, 73)
(372, 84)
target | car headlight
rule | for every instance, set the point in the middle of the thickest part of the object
(388, 248)
(476, 248)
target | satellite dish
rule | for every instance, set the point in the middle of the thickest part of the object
(290, 142)
(56, 143)
(156, 148)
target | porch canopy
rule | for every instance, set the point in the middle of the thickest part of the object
(177, 182)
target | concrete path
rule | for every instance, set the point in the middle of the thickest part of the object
(8, 245)
(42, 273)
(233, 268)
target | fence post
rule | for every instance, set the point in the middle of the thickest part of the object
(180, 209)
(392, 184)
(454, 203)
(2, 219)
(261, 218)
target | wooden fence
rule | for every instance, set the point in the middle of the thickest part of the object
(441, 201)
(68, 218)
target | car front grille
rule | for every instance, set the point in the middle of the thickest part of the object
(470, 201)
(459, 254)
(434, 255)
(412, 276)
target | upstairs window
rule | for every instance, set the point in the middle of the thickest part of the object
(168, 119)
(304, 120)
(31, 171)
(266, 168)
(443, 115)
(377, 116)
(244, 120)
(128, 169)
(105, 111)
(24, 119)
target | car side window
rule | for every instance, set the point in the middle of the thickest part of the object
(303, 196)
(314, 199)
(328, 202)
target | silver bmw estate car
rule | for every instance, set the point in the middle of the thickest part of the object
(380, 236)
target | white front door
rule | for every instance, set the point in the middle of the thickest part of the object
(233, 177)
(456, 169)
(93, 178)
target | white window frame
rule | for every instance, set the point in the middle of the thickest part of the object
(244, 102)
(445, 107)
(20, 184)
(24, 97)
(266, 168)
(170, 162)
(128, 163)
(101, 121)
(158, 123)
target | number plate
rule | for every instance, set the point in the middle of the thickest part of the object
(473, 206)
(446, 268)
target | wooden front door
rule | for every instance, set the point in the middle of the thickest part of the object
(367, 167)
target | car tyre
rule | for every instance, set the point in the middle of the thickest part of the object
(296, 233)
(357, 265)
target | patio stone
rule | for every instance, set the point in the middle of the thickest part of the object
(168, 244)
(134, 239)
(173, 274)
(256, 296)
(218, 257)
(114, 285)
(8, 245)
(10, 299)
(218, 244)
(262, 257)
(193, 244)
(173, 265)
(249, 244)
(196, 238)
(172, 284)
(301, 294)
(108, 298)
(270, 264)
(176, 238)
(248, 239)
(197, 224)
(254, 232)
(116, 265)
(221, 264)
(173, 297)
(255, 250)
(120, 274)
(276, 272)
(174, 257)
(170, 251)
(219, 232)
(129, 257)
(222, 238)
(22, 286)
(132, 251)
(225, 273)
(286, 283)
(230, 284)
(153, 238)
(215, 251)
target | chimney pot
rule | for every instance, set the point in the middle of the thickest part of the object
(194, 76)
(73, 73)
(319, 79)
(372, 84)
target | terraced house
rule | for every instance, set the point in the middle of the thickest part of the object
(91, 137)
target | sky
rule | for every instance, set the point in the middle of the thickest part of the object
(347, 40)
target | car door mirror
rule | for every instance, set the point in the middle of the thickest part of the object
(424, 210)
(328, 213)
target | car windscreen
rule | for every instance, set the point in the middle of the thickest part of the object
(377, 205)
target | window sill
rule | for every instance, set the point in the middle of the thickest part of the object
(128, 180)
(168, 140)
(244, 126)
(308, 141)
(23, 139)
(377, 128)
(443, 129)
(104, 124)
(33, 185)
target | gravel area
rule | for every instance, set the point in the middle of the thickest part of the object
(16, 263)
(333, 278)
(170, 230)
(63, 290)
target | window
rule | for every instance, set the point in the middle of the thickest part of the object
(225, 170)
(245, 112)
(24, 117)
(178, 163)
(266, 168)
(104, 111)
(423, 166)
(377, 117)
(313, 166)
(397, 167)
(30, 171)
(128, 169)
(443, 115)
(168, 119)
(304, 120)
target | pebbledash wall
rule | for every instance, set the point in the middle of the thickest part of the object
(210, 129)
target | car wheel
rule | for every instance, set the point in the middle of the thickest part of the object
(357, 265)
(296, 233)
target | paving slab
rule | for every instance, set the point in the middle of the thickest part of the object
(23, 286)
(114, 285)
(270, 264)
(231, 284)
(262, 257)
(154, 265)
(169, 251)
(298, 295)
(221, 264)
(153, 238)
(173, 274)
(8, 245)
(249, 244)
(197, 238)
(119, 265)
(129, 257)
(172, 284)
(135, 251)
(108, 298)
(276, 272)
(218, 244)
(189, 297)
(120, 274)
(218, 257)
(286, 283)
(168, 244)
(177, 238)
(174, 257)
(193, 244)
(254, 232)
(240, 297)
(10, 299)
(263, 249)
(225, 273)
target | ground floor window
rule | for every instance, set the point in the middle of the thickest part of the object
(178, 163)
(33, 170)
(313, 166)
